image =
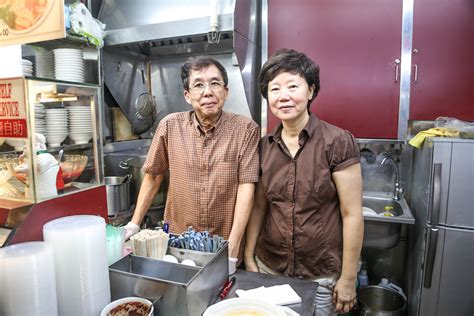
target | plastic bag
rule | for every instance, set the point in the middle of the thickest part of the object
(465, 129)
(84, 24)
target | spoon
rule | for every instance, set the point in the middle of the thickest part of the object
(60, 155)
(152, 304)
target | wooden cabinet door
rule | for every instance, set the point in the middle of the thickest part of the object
(356, 44)
(443, 44)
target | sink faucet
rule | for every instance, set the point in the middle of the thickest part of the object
(398, 190)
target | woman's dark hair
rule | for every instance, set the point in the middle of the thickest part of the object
(198, 63)
(292, 61)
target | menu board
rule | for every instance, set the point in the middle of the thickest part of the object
(28, 21)
(12, 109)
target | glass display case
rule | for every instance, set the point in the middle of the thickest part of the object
(49, 135)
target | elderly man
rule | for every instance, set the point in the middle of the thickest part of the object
(212, 157)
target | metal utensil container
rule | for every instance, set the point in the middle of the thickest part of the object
(118, 194)
(178, 289)
(134, 168)
(377, 300)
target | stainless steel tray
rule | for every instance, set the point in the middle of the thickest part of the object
(178, 289)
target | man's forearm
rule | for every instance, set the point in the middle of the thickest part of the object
(149, 188)
(243, 206)
(255, 223)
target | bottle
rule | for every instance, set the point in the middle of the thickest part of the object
(363, 278)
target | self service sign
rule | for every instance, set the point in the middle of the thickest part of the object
(12, 109)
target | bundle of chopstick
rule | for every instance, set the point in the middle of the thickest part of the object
(150, 243)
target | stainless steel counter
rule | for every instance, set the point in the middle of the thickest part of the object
(306, 289)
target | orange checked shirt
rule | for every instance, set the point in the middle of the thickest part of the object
(206, 168)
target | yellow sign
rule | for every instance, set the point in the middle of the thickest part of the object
(28, 21)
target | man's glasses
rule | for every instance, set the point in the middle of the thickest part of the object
(215, 86)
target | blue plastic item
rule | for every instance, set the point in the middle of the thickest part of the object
(363, 278)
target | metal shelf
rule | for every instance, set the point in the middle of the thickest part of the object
(380, 141)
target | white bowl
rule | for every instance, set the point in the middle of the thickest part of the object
(17, 143)
(118, 302)
(80, 138)
(170, 258)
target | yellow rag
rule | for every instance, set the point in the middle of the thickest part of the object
(418, 140)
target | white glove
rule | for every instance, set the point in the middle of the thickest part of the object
(232, 265)
(131, 229)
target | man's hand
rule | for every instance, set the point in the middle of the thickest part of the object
(131, 229)
(232, 265)
(344, 296)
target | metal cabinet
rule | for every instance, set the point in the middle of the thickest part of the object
(442, 80)
(383, 63)
(357, 46)
(58, 102)
(52, 145)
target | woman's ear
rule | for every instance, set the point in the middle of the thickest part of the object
(311, 92)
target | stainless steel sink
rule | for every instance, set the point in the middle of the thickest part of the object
(383, 222)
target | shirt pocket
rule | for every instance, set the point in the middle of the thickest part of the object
(226, 176)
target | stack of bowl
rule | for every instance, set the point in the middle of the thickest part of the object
(44, 64)
(69, 64)
(27, 67)
(40, 121)
(80, 123)
(56, 126)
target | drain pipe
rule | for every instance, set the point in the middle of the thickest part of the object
(213, 36)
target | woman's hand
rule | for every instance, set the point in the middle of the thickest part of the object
(250, 264)
(344, 295)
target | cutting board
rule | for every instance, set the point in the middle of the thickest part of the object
(122, 127)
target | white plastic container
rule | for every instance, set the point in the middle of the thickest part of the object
(27, 280)
(80, 259)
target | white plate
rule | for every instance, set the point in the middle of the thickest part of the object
(242, 305)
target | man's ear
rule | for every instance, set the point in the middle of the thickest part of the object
(187, 96)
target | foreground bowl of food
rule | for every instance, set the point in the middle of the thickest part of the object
(128, 306)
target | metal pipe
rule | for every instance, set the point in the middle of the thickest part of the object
(398, 190)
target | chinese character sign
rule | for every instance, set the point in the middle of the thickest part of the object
(12, 109)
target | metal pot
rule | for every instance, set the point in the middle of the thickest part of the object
(377, 300)
(118, 194)
(134, 168)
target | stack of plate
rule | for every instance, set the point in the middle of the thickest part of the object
(27, 67)
(40, 122)
(69, 64)
(56, 126)
(80, 124)
(44, 64)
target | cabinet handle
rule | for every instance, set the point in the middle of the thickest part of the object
(436, 195)
(415, 73)
(430, 256)
(397, 68)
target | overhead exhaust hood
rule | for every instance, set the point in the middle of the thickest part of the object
(167, 32)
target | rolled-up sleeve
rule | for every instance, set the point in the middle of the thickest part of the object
(345, 152)
(249, 159)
